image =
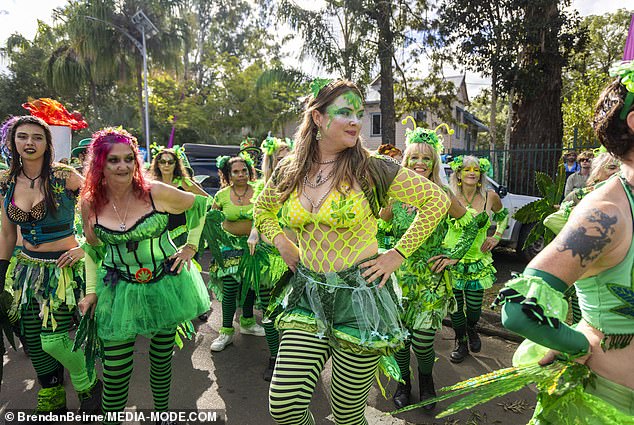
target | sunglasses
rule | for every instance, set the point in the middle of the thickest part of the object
(167, 162)
(585, 159)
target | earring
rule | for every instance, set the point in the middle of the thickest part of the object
(479, 184)
(318, 136)
(459, 182)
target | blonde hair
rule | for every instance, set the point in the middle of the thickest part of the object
(599, 163)
(352, 163)
(435, 171)
(269, 162)
(454, 180)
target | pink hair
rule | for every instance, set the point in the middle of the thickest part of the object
(94, 191)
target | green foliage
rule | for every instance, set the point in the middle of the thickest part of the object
(536, 211)
(480, 106)
(587, 73)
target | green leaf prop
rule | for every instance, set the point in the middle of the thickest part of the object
(251, 266)
(86, 337)
(537, 211)
(213, 236)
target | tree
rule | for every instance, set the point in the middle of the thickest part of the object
(550, 35)
(485, 34)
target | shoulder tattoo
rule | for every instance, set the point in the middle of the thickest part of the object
(588, 247)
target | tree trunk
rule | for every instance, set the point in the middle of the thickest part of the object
(539, 121)
(493, 117)
(386, 53)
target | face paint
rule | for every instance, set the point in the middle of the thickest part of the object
(471, 169)
(427, 162)
(347, 106)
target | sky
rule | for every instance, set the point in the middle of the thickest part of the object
(22, 16)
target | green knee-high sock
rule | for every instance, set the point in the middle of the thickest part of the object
(43, 363)
(474, 306)
(402, 358)
(230, 288)
(272, 335)
(249, 302)
(58, 344)
(118, 363)
(161, 348)
(423, 345)
(458, 319)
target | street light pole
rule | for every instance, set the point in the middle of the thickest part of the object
(147, 103)
(143, 24)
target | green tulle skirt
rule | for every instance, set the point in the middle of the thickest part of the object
(474, 275)
(128, 309)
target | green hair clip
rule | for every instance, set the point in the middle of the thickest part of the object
(270, 145)
(625, 71)
(425, 135)
(221, 161)
(485, 165)
(290, 143)
(247, 158)
(318, 84)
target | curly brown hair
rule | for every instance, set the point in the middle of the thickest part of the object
(225, 172)
(179, 169)
(613, 132)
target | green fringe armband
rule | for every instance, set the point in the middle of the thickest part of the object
(470, 226)
(97, 253)
(540, 302)
(500, 215)
(214, 236)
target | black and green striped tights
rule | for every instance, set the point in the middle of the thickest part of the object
(117, 370)
(300, 360)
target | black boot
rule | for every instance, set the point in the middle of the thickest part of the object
(90, 400)
(402, 396)
(268, 373)
(460, 351)
(475, 344)
(426, 389)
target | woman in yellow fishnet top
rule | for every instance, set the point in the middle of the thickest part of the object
(330, 192)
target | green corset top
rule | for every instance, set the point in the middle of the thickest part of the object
(144, 246)
(607, 299)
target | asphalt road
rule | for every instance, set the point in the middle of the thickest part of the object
(231, 380)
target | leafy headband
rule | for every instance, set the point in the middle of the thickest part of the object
(221, 161)
(156, 149)
(483, 163)
(625, 71)
(318, 84)
(425, 135)
(270, 145)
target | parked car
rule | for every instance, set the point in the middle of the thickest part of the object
(202, 159)
(516, 233)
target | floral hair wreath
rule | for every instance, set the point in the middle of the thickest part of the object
(484, 164)
(318, 84)
(221, 161)
(248, 144)
(425, 135)
(156, 149)
(625, 71)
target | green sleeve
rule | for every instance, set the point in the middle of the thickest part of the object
(534, 307)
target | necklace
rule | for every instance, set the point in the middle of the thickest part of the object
(122, 226)
(330, 161)
(469, 202)
(313, 204)
(319, 179)
(235, 192)
(32, 179)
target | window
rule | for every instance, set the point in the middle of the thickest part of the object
(420, 116)
(376, 124)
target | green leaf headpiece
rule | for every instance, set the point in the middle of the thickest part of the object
(625, 71)
(425, 135)
(318, 84)
(270, 145)
(484, 164)
(221, 161)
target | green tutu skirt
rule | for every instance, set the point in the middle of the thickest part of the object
(474, 275)
(127, 309)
